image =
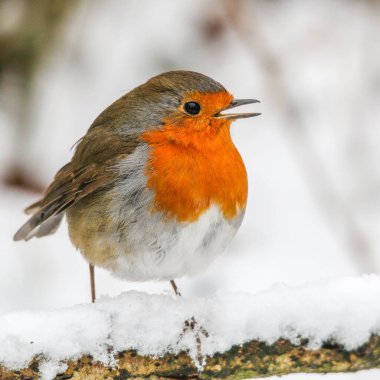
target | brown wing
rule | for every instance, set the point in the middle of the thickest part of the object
(90, 169)
(69, 186)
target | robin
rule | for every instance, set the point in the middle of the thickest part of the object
(156, 188)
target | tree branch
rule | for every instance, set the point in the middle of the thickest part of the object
(250, 360)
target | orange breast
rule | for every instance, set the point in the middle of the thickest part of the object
(187, 178)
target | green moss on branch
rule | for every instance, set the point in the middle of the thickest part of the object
(250, 360)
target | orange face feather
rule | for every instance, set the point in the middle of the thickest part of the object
(194, 164)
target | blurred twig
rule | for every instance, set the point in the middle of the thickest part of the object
(330, 200)
(30, 35)
(28, 31)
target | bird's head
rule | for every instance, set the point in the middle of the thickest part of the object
(189, 107)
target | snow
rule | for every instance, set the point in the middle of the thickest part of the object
(329, 54)
(346, 310)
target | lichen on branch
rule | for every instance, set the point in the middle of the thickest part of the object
(250, 360)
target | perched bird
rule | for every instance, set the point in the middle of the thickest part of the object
(156, 188)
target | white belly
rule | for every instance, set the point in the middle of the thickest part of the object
(175, 249)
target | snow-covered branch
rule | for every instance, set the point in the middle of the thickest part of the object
(250, 360)
(330, 326)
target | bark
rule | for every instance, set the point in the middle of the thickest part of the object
(250, 360)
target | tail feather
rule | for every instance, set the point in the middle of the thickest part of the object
(69, 187)
(33, 208)
(48, 227)
(29, 229)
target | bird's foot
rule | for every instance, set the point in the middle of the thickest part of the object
(191, 325)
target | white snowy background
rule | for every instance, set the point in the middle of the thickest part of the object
(312, 157)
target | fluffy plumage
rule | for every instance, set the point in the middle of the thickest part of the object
(151, 192)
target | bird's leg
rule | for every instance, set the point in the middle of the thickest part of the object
(92, 282)
(175, 288)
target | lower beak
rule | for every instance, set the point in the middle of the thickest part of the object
(237, 103)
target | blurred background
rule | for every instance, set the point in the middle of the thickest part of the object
(313, 157)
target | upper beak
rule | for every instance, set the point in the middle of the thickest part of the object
(237, 103)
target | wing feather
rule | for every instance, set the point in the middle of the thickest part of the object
(92, 168)
(69, 187)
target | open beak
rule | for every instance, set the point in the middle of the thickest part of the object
(236, 103)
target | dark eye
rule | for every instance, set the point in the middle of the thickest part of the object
(192, 108)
